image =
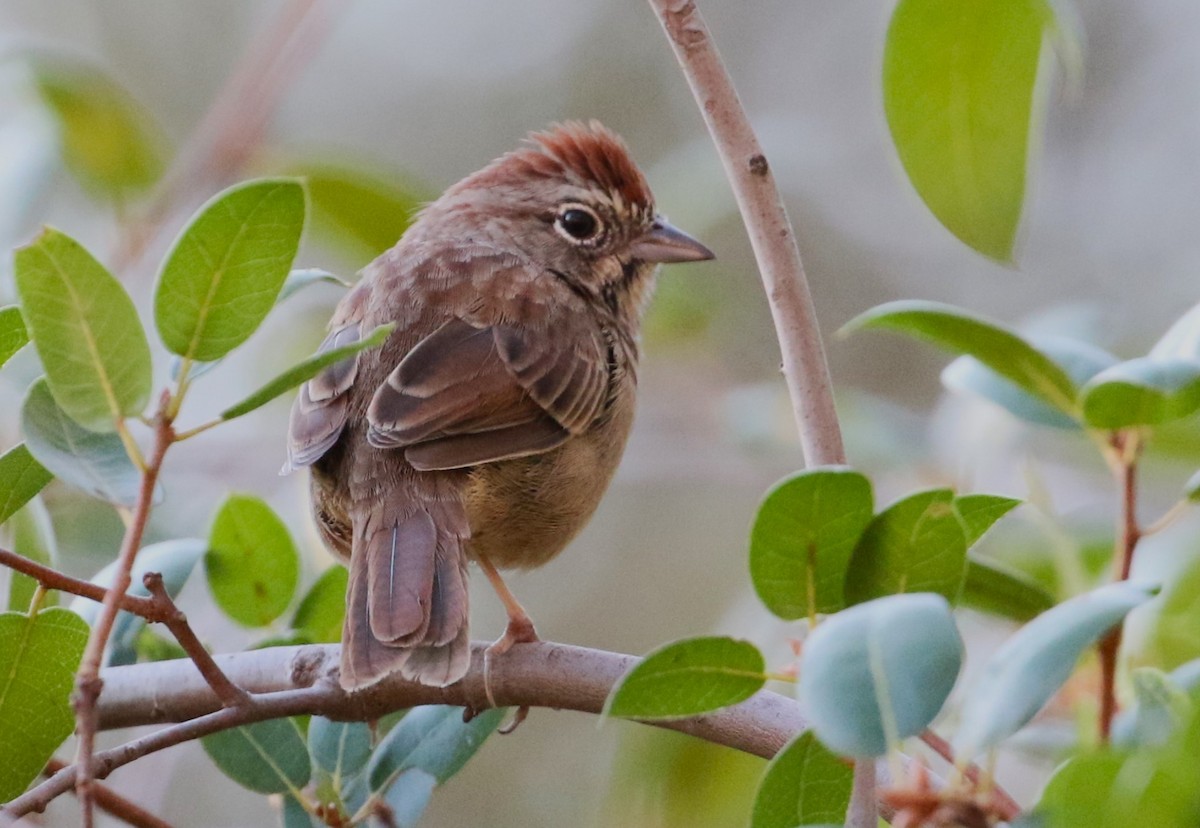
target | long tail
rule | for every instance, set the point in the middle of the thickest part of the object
(406, 609)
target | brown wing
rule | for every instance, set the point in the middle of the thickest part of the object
(470, 394)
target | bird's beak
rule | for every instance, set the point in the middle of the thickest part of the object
(665, 244)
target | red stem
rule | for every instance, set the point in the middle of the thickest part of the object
(1128, 535)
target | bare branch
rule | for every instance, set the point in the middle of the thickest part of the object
(114, 804)
(53, 579)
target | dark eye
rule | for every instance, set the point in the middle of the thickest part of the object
(578, 223)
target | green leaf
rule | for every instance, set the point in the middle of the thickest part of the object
(879, 672)
(689, 677)
(1191, 489)
(1144, 391)
(979, 512)
(341, 749)
(1160, 709)
(306, 370)
(409, 796)
(293, 814)
(38, 659)
(86, 331)
(805, 784)
(1031, 665)
(431, 738)
(958, 92)
(252, 564)
(997, 347)
(323, 608)
(915, 545)
(803, 537)
(13, 335)
(149, 646)
(1080, 360)
(225, 270)
(363, 212)
(108, 140)
(301, 278)
(1000, 590)
(173, 559)
(21, 478)
(267, 757)
(32, 536)
(95, 463)
(1174, 637)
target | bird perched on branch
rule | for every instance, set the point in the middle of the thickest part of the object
(490, 422)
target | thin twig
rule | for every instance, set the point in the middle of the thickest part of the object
(1128, 535)
(88, 683)
(53, 579)
(113, 804)
(229, 693)
(1007, 807)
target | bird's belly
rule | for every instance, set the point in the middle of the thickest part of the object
(524, 511)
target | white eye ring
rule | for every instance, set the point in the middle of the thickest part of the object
(578, 224)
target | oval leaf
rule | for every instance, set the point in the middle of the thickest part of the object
(306, 370)
(357, 210)
(880, 672)
(802, 539)
(321, 613)
(341, 749)
(433, 739)
(1001, 590)
(86, 331)
(268, 757)
(1080, 360)
(251, 562)
(958, 91)
(31, 536)
(1144, 391)
(805, 784)
(225, 271)
(13, 335)
(915, 545)
(38, 659)
(997, 347)
(1030, 666)
(408, 797)
(689, 677)
(21, 478)
(95, 463)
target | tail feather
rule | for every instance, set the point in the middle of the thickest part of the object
(407, 600)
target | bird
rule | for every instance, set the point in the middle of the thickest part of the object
(489, 423)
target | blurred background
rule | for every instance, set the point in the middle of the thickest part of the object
(384, 104)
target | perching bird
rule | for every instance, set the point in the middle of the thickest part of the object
(490, 422)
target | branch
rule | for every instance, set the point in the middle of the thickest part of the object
(53, 579)
(114, 804)
(1126, 448)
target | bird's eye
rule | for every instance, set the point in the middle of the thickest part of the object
(578, 223)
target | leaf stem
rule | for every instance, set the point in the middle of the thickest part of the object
(1178, 510)
(131, 446)
(200, 429)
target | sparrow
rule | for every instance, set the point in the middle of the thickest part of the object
(488, 425)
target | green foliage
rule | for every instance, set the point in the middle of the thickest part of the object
(21, 478)
(93, 462)
(86, 331)
(13, 334)
(38, 658)
(805, 784)
(880, 672)
(253, 567)
(958, 91)
(32, 536)
(1029, 667)
(361, 211)
(108, 140)
(803, 537)
(226, 269)
(340, 749)
(696, 675)
(323, 609)
(1175, 632)
(267, 757)
(1145, 391)
(998, 589)
(1160, 708)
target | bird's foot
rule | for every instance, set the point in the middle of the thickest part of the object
(520, 630)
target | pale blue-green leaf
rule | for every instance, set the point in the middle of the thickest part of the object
(21, 478)
(86, 331)
(996, 588)
(958, 92)
(173, 559)
(293, 815)
(915, 545)
(266, 757)
(802, 539)
(1080, 360)
(409, 796)
(306, 370)
(38, 659)
(225, 271)
(431, 738)
(93, 462)
(996, 346)
(880, 672)
(252, 564)
(341, 749)
(13, 335)
(1030, 667)
(1182, 339)
(1144, 391)
(687, 678)
(804, 784)
(31, 534)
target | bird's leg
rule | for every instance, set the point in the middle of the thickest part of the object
(520, 630)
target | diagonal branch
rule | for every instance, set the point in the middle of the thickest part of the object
(113, 804)
(53, 579)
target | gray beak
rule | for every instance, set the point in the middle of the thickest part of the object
(666, 245)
